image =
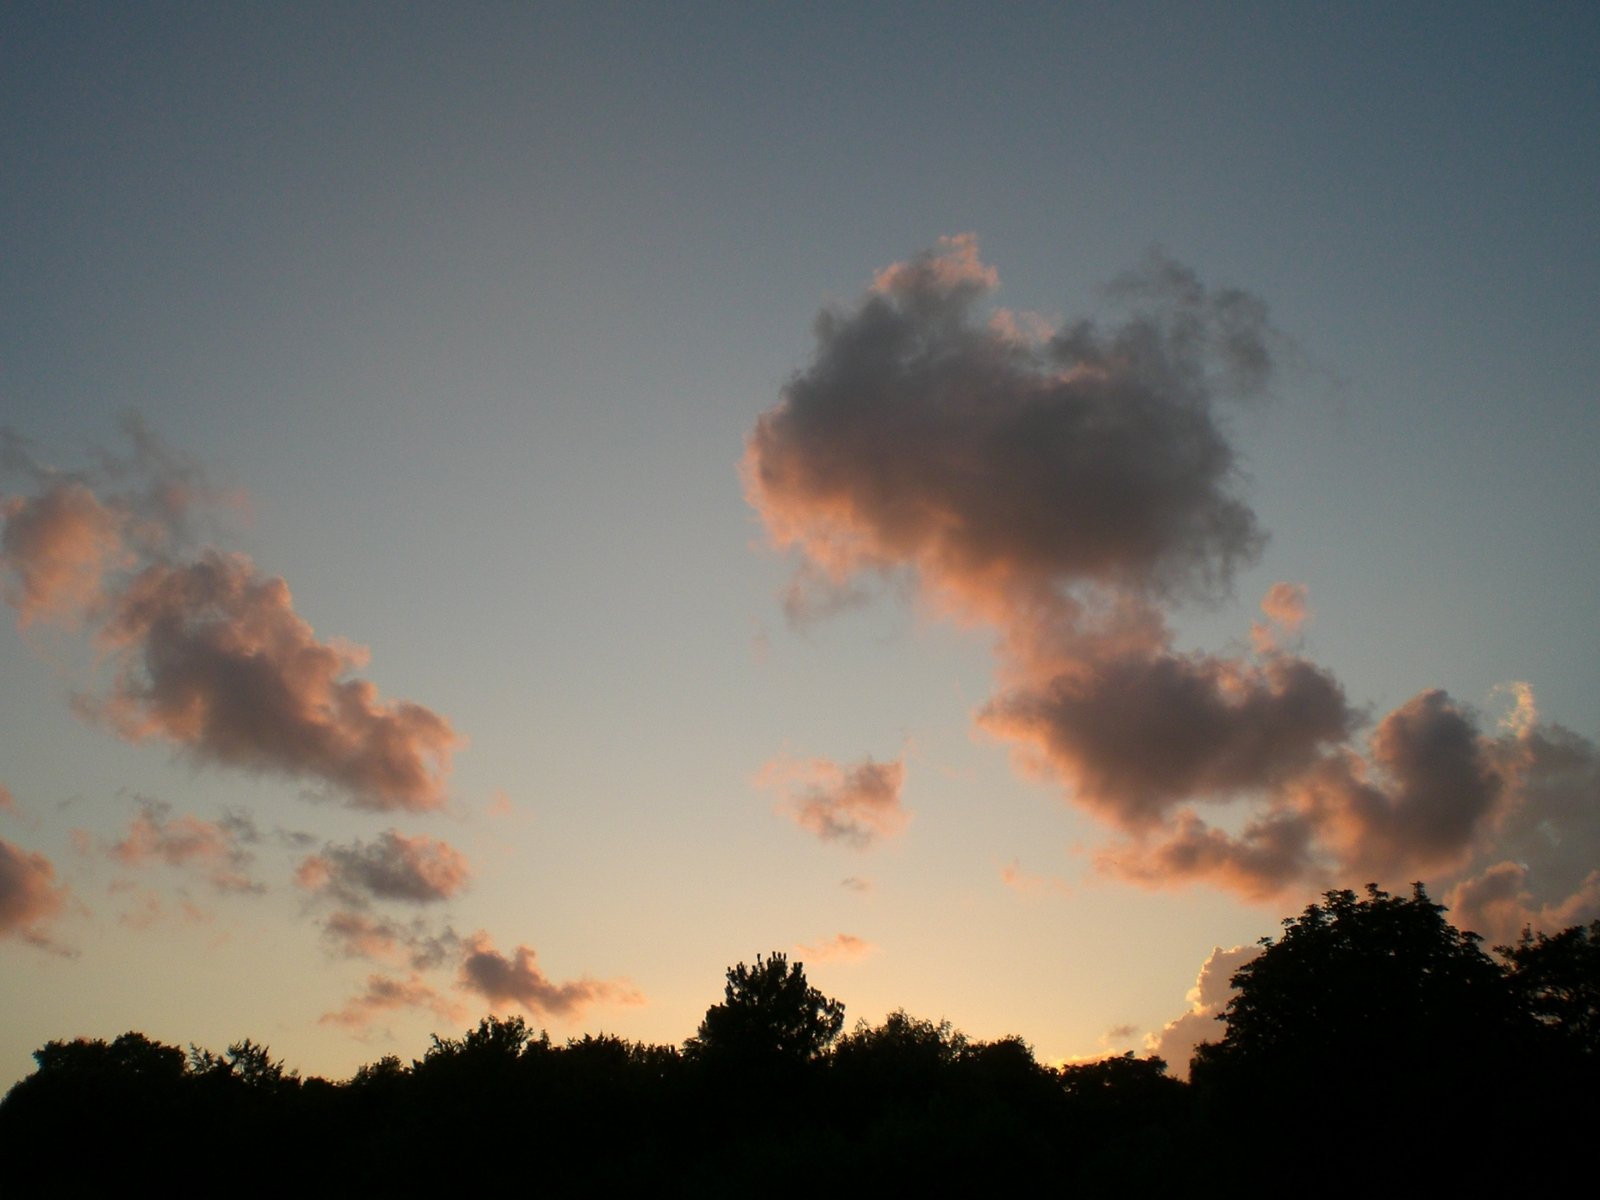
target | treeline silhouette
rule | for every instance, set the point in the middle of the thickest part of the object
(1372, 1043)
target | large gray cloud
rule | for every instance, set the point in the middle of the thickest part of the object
(990, 463)
(1066, 488)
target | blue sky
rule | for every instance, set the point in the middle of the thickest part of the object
(467, 316)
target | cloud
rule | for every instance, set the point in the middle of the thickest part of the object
(351, 934)
(1275, 853)
(209, 652)
(384, 995)
(1499, 904)
(856, 883)
(857, 804)
(841, 946)
(1419, 800)
(1067, 489)
(58, 546)
(1137, 733)
(1210, 995)
(1287, 608)
(994, 468)
(215, 660)
(1026, 884)
(417, 870)
(29, 896)
(148, 907)
(214, 848)
(518, 980)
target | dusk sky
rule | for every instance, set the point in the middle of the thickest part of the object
(514, 508)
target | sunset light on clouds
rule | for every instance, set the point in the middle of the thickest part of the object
(522, 512)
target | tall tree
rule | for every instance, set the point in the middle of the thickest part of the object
(769, 1015)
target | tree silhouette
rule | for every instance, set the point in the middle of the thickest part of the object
(769, 1016)
(1556, 980)
(1369, 1019)
(1361, 977)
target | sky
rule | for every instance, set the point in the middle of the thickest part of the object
(516, 508)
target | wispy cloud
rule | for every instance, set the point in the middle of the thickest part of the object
(418, 870)
(841, 946)
(360, 934)
(384, 995)
(858, 804)
(1028, 884)
(214, 848)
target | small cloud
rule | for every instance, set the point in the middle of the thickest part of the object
(29, 895)
(215, 848)
(384, 995)
(518, 980)
(1023, 883)
(147, 907)
(857, 804)
(856, 883)
(1287, 608)
(500, 805)
(417, 870)
(841, 947)
(363, 935)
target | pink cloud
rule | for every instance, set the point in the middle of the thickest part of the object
(518, 980)
(1287, 608)
(1498, 904)
(209, 653)
(857, 804)
(214, 848)
(58, 546)
(215, 660)
(29, 896)
(841, 946)
(1026, 884)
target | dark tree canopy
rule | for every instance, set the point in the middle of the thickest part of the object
(1361, 976)
(1370, 1019)
(1555, 978)
(769, 1013)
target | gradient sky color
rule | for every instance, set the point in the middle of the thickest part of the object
(453, 327)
